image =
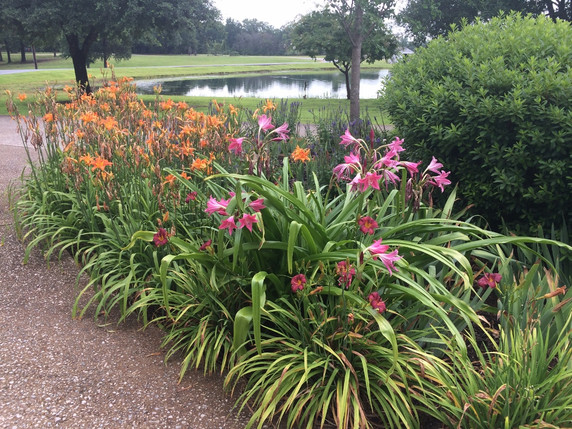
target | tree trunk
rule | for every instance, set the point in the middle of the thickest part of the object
(34, 57)
(79, 63)
(1, 57)
(79, 59)
(22, 52)
(8, 51)
(348, 85)
(357, 40)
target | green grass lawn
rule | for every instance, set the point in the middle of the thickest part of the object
(58, 71)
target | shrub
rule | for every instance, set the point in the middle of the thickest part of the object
(492, 102)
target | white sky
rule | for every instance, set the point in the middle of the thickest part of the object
(277, 13)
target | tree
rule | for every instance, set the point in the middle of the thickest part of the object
(359, 19)
(321, 33)
(427, 19)
(99, 28)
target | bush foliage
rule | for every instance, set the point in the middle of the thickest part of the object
(492, 102)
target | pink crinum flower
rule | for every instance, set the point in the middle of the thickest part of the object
(257, 205)
(217, 206)
(347, 138)
(378, 251)
(282, 132)
(441, 180)
(228, 223)
(235, 145)
(246, 221)
(265, 122)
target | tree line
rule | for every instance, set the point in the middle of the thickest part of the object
(344, 32)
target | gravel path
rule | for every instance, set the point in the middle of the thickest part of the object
(64, 373)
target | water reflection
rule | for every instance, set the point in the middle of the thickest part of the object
(324, 85)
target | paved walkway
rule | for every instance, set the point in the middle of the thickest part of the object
(56, 372)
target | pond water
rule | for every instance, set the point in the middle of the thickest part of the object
(324, 85)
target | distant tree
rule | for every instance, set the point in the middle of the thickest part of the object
(359, 19)
(321, 33)
(253, 37)
(101, 28)
(427, 19)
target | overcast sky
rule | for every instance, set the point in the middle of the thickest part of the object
(274, 12)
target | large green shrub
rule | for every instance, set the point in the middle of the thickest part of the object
(493, 103)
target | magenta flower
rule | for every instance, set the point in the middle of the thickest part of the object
(161, 237)
(228, 223)
(376, 302)
(387, 160)
(235, 145)
(396, 145)
(378, 251)
(217, 206)
(390, 176)
(412, 167)
(206, 245)
(257, 205)
(346, 272)
(434, 166)
(347, 138)
(351, 163)
(489, 279)
(191, 196)
(298, 282)
(367, 225)
(247, 220)
(441, 180)
(371, 179)
(265, 122)
(282, 132)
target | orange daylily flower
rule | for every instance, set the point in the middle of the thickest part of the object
(300, 154)
(199, 164)
(22, 97)
(269, 106)
(232, 110)
(109, 123)
(100, 163)
(88, 117)
(87, 159)
(170, 179)
(49, 117)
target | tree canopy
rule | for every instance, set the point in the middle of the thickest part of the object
(427, 19)
(101, 28)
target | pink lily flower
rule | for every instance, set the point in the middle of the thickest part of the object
(265, 122)
(412, 167)
(257, 205)
(490, 279)
(367, 225)
(378, 251)
(347, 138)
(434, 166)
(247, 220)
(396, 145)
(228, 223)
(217, 206)
(441, 180)
(235, 145)
(282, 132)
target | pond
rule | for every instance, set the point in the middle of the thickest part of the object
(323, 85)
